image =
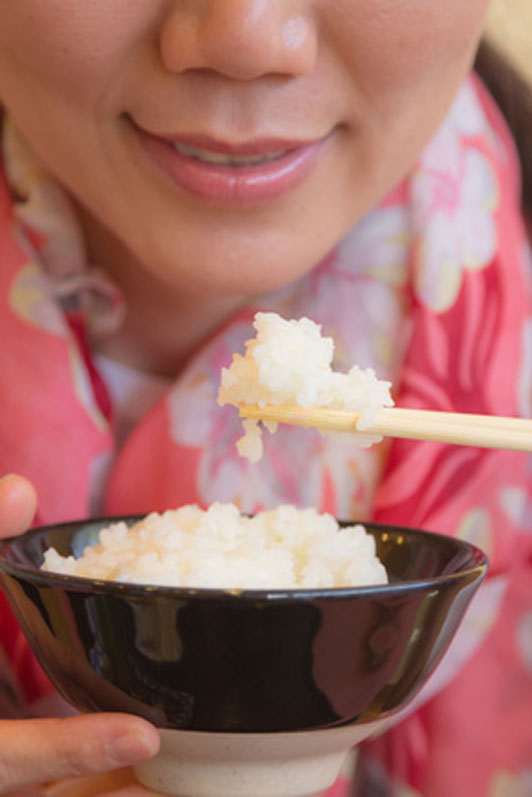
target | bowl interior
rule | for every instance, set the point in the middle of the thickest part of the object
(407, 554)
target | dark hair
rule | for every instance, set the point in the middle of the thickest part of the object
(513, 94)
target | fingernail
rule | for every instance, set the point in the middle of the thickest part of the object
(131, 747)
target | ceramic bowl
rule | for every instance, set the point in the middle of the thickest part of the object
(257, 693)
(252, 661)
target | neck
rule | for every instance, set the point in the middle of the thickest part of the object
(164, 324)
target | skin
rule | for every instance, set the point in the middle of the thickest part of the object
(34, 752)
(376, 76)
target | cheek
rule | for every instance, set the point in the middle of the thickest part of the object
(388, 43)
(75, 50)
(405, 60)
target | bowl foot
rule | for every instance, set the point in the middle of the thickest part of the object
(298, 764)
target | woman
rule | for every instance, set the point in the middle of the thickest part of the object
(172, 166)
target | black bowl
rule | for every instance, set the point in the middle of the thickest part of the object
(254, 661)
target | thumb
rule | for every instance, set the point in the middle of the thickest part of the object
(42, 750)
(18, 502)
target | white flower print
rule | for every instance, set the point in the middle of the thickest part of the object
(30, 298)
(509, 784)
(466, 115)
(455, 195)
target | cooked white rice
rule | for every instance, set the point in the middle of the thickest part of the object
(289, 362)
(285, 548)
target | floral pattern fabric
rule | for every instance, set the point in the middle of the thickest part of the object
(433, 290)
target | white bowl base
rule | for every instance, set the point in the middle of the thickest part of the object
(299, 764)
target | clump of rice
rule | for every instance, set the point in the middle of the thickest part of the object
(285, 548)
(289, 362)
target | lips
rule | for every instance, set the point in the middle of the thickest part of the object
(242, 173)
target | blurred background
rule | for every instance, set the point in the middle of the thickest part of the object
(510, 26)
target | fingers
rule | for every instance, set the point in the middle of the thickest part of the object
(91, 787)
(40, 751)
(131, 791)
(106, 783)
(119, 783)
(18, 501)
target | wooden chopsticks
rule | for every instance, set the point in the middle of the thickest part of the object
(466, 429)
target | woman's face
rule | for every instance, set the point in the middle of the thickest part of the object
(229, 144)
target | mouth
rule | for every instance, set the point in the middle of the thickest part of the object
(229, 160)
(241, 173)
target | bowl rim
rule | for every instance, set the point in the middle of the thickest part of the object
(10, 566)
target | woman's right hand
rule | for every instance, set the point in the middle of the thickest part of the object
(38, 751)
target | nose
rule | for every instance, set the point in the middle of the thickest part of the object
(239, 39)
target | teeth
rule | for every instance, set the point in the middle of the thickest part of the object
(223, 159)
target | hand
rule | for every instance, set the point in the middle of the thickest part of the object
(36, 752)
(119, 783)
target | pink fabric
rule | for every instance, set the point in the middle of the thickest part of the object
(433, 289)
